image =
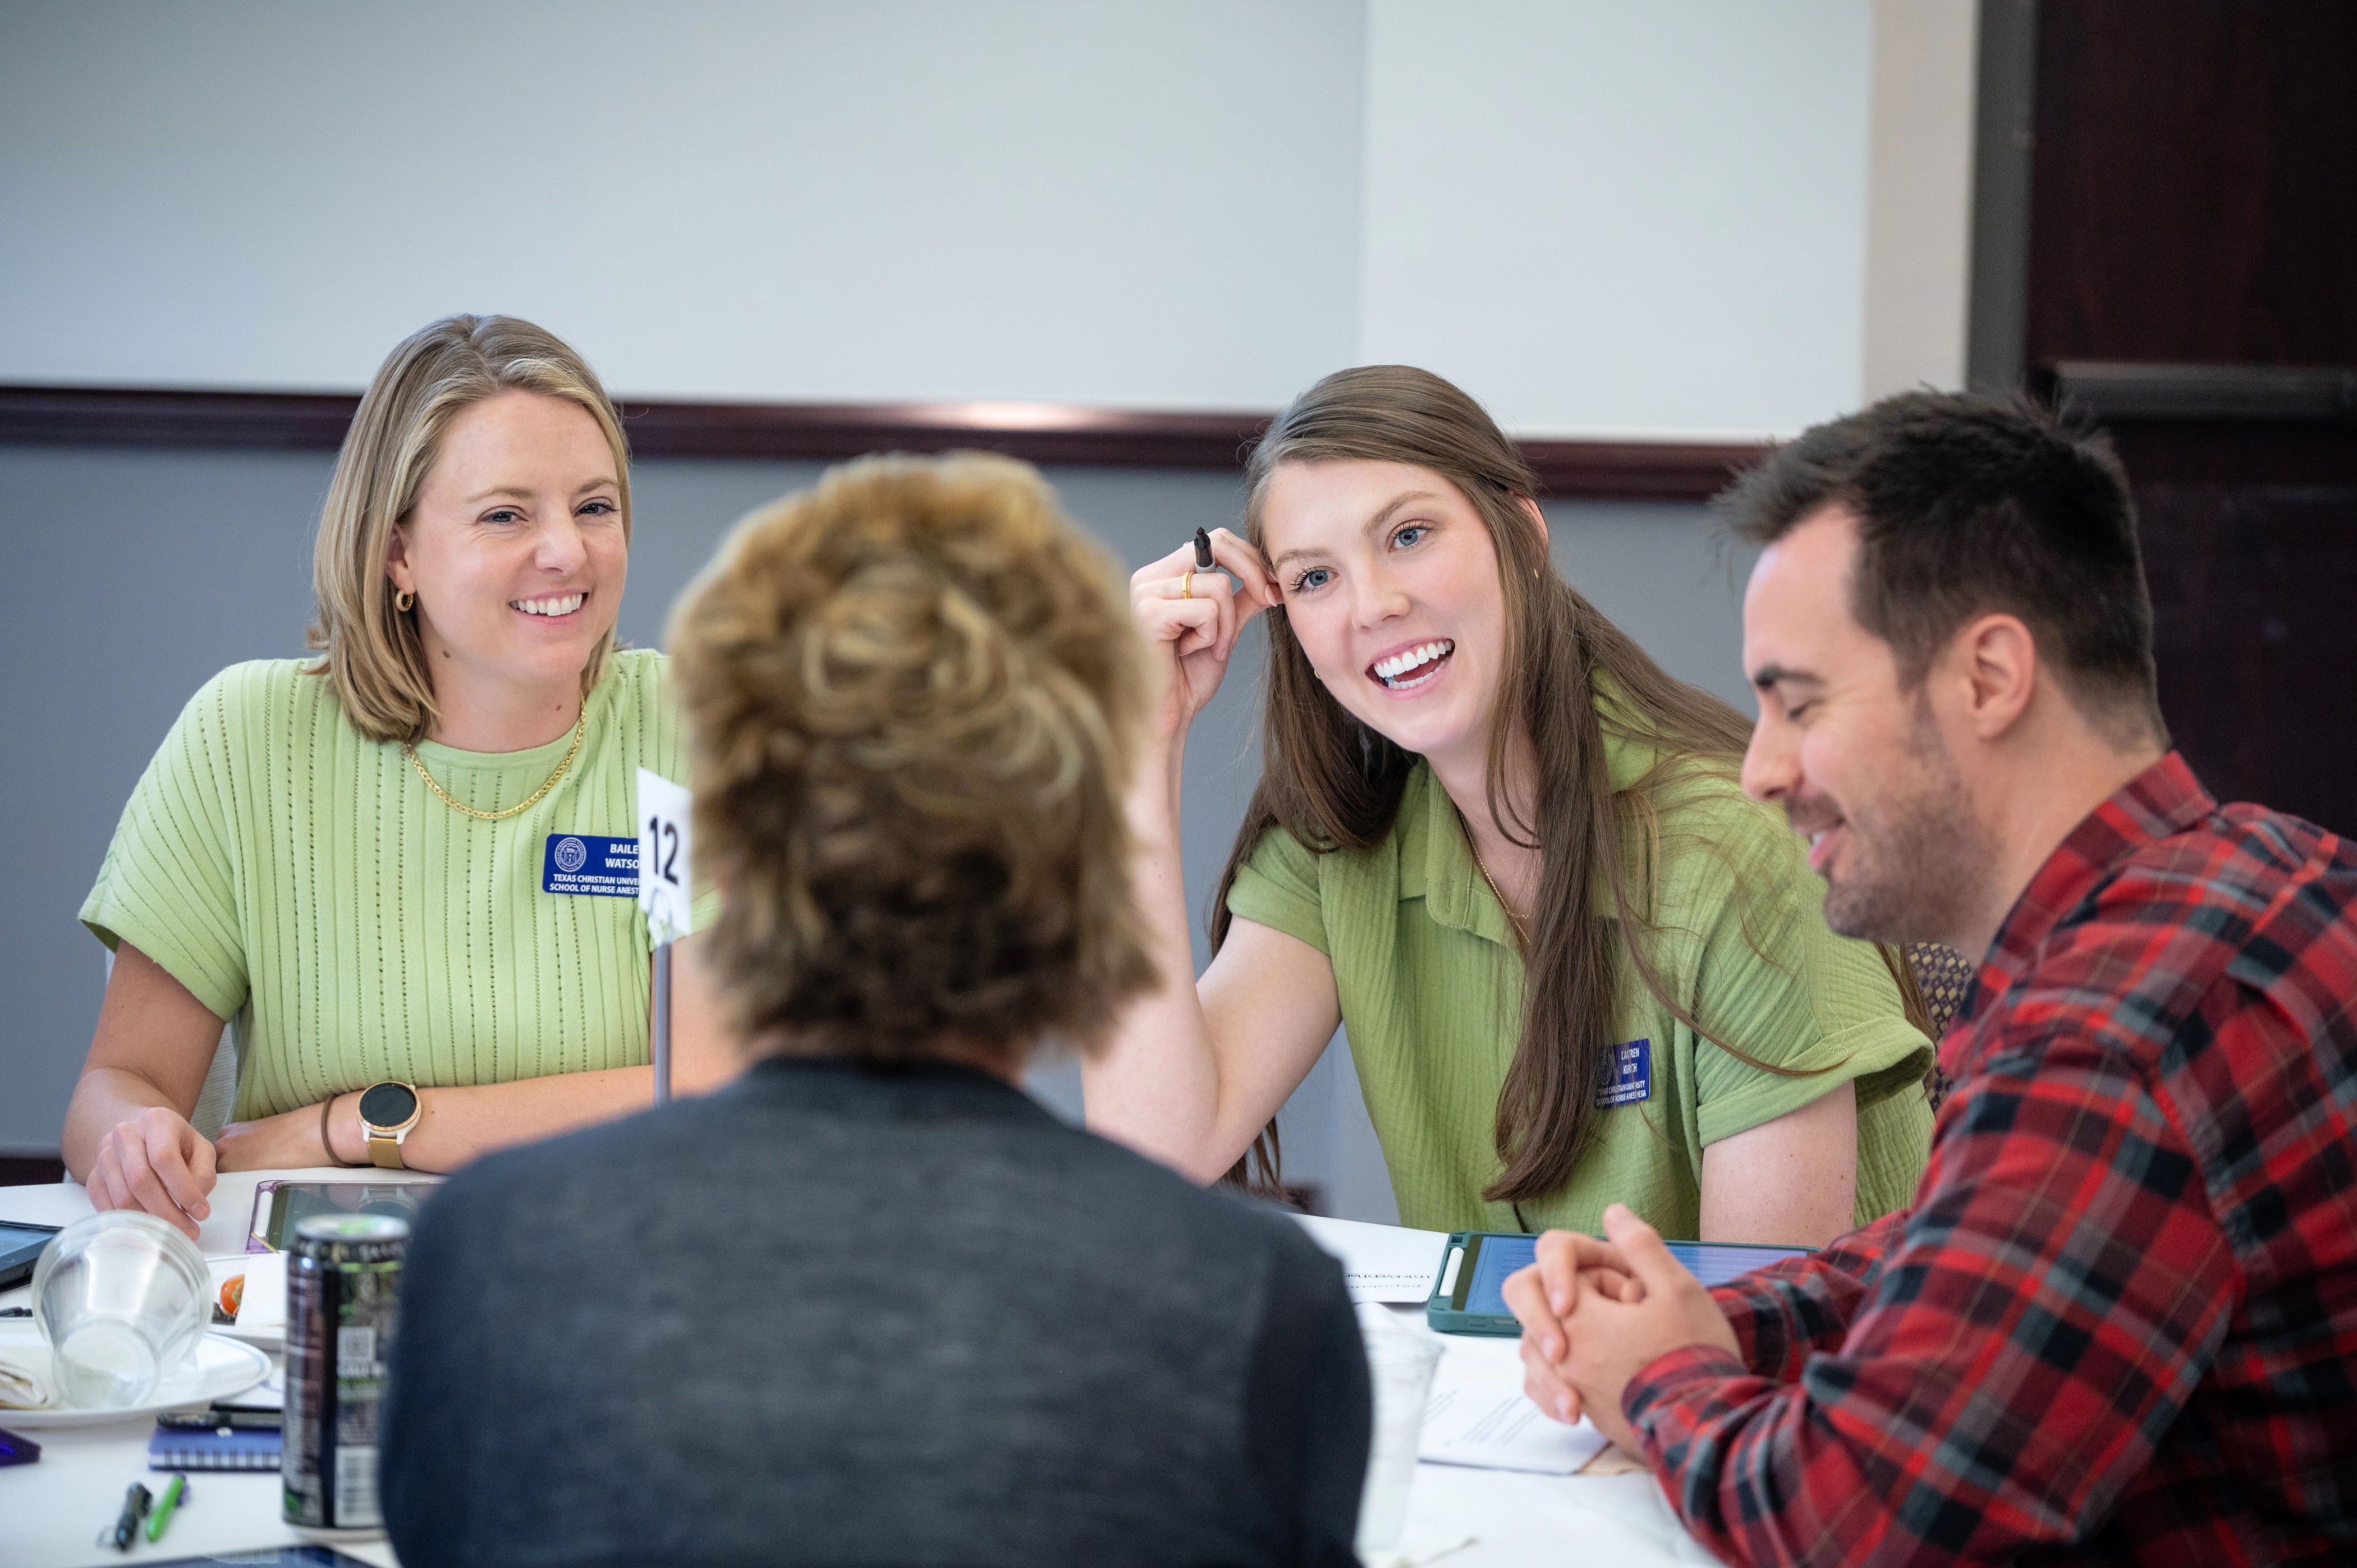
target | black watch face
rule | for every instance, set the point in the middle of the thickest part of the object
(388, 1105)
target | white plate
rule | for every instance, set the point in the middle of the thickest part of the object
(217, 1368)
(274, 1337)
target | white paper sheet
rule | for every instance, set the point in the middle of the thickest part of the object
(1479, 1417)
(1380, 1263)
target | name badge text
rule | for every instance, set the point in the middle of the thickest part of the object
(1628, 1075)
(584, 863)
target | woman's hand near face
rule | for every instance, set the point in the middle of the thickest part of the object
(1193, 625)
(1191, 1073)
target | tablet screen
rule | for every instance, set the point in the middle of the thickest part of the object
(16, 1236)
(1716, 1262)
(280, 1206)
(20, 1249)
(1499, 1257)
(1712, 1263)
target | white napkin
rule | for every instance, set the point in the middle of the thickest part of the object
(264, 1305)
(24, 1378)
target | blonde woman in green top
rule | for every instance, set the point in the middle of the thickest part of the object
(384, 864)
(1509, 855)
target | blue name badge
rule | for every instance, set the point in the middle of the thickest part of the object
(584, 863)
(1627, 1076)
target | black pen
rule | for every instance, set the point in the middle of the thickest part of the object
(135, 1504)
(214, 1417)
(1203, 561)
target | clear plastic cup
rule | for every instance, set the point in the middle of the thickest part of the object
(1399, 1366)
(122, 1298)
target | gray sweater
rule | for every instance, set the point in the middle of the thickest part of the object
(835, 1315)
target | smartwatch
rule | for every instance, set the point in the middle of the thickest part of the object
(389, 1112)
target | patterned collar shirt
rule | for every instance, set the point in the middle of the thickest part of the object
(2120, 1323)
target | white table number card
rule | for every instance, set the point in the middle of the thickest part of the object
(666, 889)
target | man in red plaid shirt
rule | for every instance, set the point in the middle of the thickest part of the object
(2120, 1322)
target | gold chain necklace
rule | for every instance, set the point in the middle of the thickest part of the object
(580, 728)
(1521, 930)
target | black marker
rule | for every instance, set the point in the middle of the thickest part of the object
(135, 1504)
(213, 1418)
(1202, 551)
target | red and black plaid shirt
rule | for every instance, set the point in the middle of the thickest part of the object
(2120, 1323)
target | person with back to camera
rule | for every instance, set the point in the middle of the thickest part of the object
(2119, 1323)
(872, 1304)
(1506, 852)
(351, 857)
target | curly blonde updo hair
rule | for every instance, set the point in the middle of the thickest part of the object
(913, 696)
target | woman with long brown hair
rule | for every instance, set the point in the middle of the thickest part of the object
(1509, 854)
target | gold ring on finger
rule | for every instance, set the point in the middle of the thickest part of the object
(1187, 584)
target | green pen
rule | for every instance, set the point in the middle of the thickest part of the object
(175, 1492)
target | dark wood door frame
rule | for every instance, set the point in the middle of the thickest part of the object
(2165, 231)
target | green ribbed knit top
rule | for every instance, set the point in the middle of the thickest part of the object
(1430, 980)
(306, 883)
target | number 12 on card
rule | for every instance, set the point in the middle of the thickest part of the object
(666, 886)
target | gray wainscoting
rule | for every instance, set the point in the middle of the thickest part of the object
(131, 575)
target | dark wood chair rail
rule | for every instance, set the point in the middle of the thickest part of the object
(1053, 434)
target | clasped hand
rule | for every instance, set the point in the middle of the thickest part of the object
(1594, 1314)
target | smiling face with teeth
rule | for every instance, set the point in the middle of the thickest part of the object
(1861, 765)
(1390, 580)
(517, 551)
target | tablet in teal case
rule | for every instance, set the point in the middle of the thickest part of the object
(1473, 1268)
(1466, 1297)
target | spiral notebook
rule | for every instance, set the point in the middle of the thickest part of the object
(215, 1448)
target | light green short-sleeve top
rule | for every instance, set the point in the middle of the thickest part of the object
(306, 883)
(1430, 982)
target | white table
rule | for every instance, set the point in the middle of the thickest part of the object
(51, 1512)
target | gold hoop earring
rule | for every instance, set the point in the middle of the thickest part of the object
(402, 600)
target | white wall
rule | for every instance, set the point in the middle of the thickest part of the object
(1092, 202)
(1607, 217)
(1919, 195)
(1602, 218)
